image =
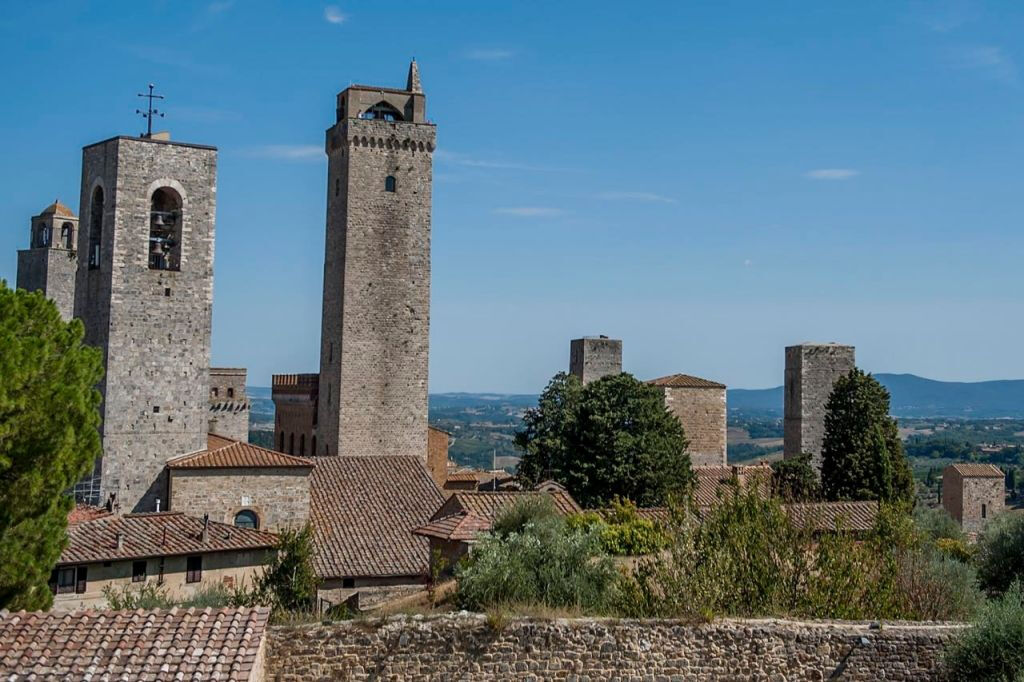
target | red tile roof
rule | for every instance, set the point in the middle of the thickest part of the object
(464, 526)
(58, 209)
(364, 510)
(175, 644)
(155, 534)
(86, 512)
(829, 516)
(715, 482)
(226, 453)
(977, 470)
(489, 504)
(684, 381)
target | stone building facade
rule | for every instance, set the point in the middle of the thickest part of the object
(973, 494)
(437, 454)
(812, 369)
(593, 357)
(229, 406)
(295, 412)
(49, 264)
(144, 291)
(376, 301)
(700, 406)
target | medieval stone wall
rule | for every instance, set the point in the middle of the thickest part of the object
(376, 307)
(465, 647)
(702, 412)
(295, 414)
(152, 325)
(52, 271)
(437, 455)
(963, 498)
(591, 358)
(811, 371)
(279, 496)
(229, 405)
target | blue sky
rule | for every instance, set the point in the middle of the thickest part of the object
(709, 181)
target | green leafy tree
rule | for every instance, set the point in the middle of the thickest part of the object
(49, 414)
(1000, 553)
(861, 454)
(612, 437)
(289, 582)
(795, 480)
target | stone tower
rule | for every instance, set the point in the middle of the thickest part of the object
(811, 371)
(49, 264)
(144, 292)
(229, 405)
(593, 357)
(376, 309)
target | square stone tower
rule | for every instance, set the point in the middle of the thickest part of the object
(376, 310)
(811, 371)
(49, 264)
(145, 292)
(700, 406)
(593, 357)
(973, 493)
(229, 406)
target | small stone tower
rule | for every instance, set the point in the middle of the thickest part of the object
(49, 264)
(376, 309)
(593, 357)
(973, 493)
(229, 406)
(145, 292)
(811, 371)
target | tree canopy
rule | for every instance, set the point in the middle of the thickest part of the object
(612, 437)
(49, 414)
(861, 454)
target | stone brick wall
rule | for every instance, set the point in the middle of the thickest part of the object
(963, 498)
(437, 455)
(279, 496)
(295, 413)
(702, 412)
(811, 371)
(152, 325)
(465, 647)
(52, 271)
(591, 358)
(229, 406)
(376, 307)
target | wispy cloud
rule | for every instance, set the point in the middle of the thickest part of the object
(489, 54)
(832, 174)
(747, 262)
(531, 211)
(177, 59)
(220, 6)
(334, 15)
(287, 152)
(636, 196)
(455, 159)
(211, 13)
(943, 18)
(990, 61)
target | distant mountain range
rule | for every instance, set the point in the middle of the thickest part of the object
(914, 396)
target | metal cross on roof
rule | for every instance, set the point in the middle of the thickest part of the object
(150, 112)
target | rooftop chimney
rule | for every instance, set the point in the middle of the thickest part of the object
(120, 540)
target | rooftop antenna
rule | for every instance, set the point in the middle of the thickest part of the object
(150, 112)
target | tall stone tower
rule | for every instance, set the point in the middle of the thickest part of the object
(376, 310)
(144, 292)
(811, 371)
(49, 264)
(593, 357)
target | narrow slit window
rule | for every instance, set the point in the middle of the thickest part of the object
(389, 183)
(95, 228)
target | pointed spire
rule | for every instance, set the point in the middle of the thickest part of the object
(412, 84)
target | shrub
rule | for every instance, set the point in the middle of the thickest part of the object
(544, 562)
(289, 582)
(129, 598)
(796, 479)
(993, 648)
(622, 531)
(1000, 553)
(532, 509)
(937, 524)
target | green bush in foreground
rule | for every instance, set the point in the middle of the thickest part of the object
(1000, 553)
(622, 531)
(992, 650)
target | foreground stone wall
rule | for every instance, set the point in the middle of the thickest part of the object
(462, 646)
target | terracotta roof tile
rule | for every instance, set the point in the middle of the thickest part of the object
(225, 453)
(977, 470)
(58, 209)
(86, 512)
(173, 644)
(684, 381)
(715, 482)
(829, 516)
(155, 534)
(489, 504)
(464, 526)
(364, 510)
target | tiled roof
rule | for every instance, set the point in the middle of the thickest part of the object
(489, 504)
(86, 512)
(364, 510)
(715, 482)
(58, 209)
(463, 526)
(225, 453)
(977, 470)
(684, 381)
(175, 644)
(465, 475)
(828, 516)
(155, 534)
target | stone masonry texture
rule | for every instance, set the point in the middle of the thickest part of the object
(702, 412)
(811, 371)
(295, 413)
(49, 264)
(229, 406)
(465, 647)
(963, 497)
(593, 357)
(279, 496)
(153, 326)
(376, 301)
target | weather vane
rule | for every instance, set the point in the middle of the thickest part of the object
(150, 112)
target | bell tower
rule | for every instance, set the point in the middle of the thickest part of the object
(49, 264)
(376, 308)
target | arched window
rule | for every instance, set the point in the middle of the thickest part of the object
(247, 519)
(95, 228)
(67, 235)
(383, 111)
(44, 235)
(389, 183)
(280, 446)
(165, 230)
(302, 444)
